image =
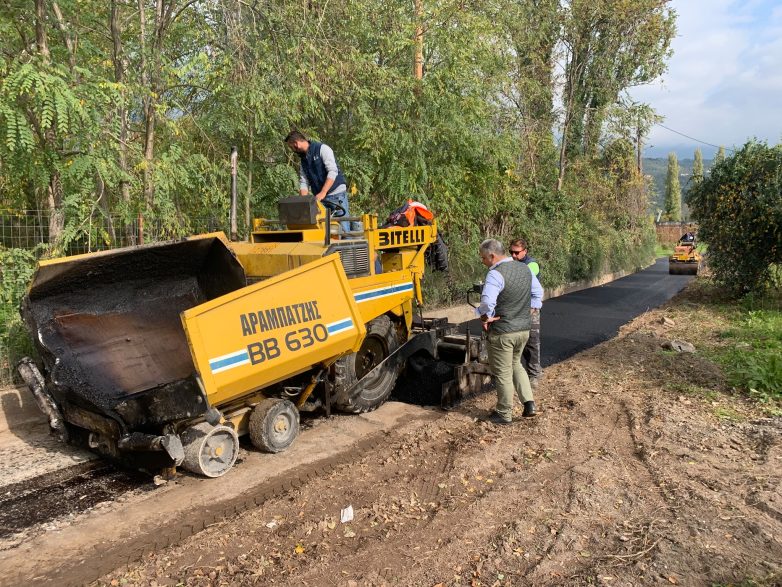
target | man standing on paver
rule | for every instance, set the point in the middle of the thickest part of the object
(319, 173)
(531, 354)
(505, 314)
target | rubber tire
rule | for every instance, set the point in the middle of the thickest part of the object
(437, 255)
(193, 441)
(381, 333)
(262, 421)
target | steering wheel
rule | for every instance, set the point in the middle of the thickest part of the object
(334, 207)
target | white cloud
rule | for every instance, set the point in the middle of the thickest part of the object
(724, 82)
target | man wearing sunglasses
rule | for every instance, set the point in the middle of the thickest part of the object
(531, 354)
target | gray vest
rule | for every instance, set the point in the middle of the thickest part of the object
(513, 303)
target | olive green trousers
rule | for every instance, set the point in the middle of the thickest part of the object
(509, 374)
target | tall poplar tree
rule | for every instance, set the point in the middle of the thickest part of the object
(673, 190)
(697, 167)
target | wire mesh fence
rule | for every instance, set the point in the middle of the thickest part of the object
(27, 229)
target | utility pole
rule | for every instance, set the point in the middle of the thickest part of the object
(639, 146)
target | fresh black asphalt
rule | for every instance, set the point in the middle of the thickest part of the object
(574, 322)
(577, 321)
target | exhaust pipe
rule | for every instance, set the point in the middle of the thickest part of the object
(234, 198)
(34, 380)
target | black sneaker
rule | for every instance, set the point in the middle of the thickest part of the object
(529, 409)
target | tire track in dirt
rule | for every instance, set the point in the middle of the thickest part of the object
(580, 479)
(431, 488)
(619, 442)
(449, 522)
(388, 457)
(437, 460)
(641, 453)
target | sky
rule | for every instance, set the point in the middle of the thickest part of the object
(724, 81)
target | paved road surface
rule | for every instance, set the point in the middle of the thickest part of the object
(577, 321)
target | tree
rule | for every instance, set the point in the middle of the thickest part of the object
(151, 94)
(609, 48)
(697, 167)
(673, 190)
(530, 51)
(53, 104)
(739, 212)
(720, 156)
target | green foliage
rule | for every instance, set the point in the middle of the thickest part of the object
(657, 169)
(673, 190)
(739, 211)
(16, 270)
(697, 167)
(754, 363)
(610, 47)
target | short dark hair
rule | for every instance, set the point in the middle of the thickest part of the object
(519, 242)
(294, 135)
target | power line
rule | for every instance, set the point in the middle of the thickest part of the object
(694, 139)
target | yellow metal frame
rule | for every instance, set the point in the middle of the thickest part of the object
(265, 333)
(400, 251)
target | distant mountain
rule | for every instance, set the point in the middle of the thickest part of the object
(682, 150)
(657, 169)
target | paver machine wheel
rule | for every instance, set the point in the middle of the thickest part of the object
(210, 450)
(381, 341)
(274, 425)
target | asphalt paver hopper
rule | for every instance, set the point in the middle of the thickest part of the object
(108, 330)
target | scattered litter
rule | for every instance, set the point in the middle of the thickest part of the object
(346, 515)
(158, 480)
(272, 525)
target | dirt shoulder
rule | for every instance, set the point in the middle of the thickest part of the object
(641, 468)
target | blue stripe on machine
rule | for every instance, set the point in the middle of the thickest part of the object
(339, 326)
(386, 291)
(229, 361)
